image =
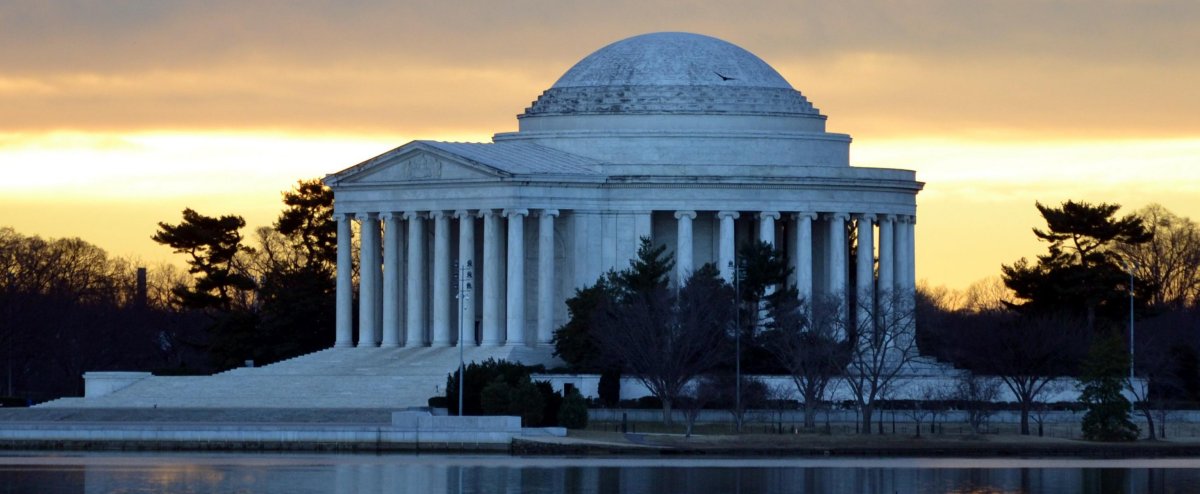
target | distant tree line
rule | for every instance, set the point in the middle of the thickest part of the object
(67, 307)
(1057, 316)
(1063, 314)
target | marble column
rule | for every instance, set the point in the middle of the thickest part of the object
(865, 274)
(545, 284)
(911, 252)
(683, 247)
(368, 276)
(804, 256)
(515, 327)
(910, 286)
(345, 285)
(887, 258)
(766, 226)
(493, 273)
(837, 262)
(725, 249)
(416, 294)
(441, 278)
(392, 273)
(900, 247)
(466, 263)
(766, 233)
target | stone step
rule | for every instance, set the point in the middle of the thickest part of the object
(331, 378)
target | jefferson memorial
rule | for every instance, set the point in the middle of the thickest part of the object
(469, 250)
(685, 139)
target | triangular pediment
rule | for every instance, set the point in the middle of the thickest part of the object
(415, 162)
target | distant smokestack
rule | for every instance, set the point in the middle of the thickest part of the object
(141, 295)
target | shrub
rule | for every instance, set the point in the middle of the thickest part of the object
(479, 376)
(574, 411)
(526, 401)
(496, 398)
(609, 388)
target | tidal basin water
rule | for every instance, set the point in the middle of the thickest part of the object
(41, 472)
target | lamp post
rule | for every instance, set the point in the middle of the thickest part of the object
(1129, 268)
(738, 273)
(465, 275)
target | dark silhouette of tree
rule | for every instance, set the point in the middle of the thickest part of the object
(1164, 361)
(574, 342)
(307, 220)
(1082, 272)
(211, 243)
(665, 338)
(880, 349)
(297, 263)
(66, 308)
(1167, 266)
(763, 287)
(803, 338)
(1026, 353)
(651, 269)
(1102, 380)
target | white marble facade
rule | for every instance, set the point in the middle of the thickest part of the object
(684, 138)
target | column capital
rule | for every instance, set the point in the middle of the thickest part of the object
(804, 214)
(438, 214)
(370, 215)
(691, 215)
(548, 212)
(866, 216)
(509, 213)
(904, 218)
(768, 214)
(463, 213)
(837, 216)
(728, 214)
(414, 215)
(484, 213)
(343, 216)
(391, 215)
(885, 218)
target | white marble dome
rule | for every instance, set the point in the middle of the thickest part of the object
(672, 59)
(679, 103)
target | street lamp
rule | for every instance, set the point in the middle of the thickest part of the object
(1129, 268)
(738, 273)
(465, 276)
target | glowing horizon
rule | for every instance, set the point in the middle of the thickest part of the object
(127, 113)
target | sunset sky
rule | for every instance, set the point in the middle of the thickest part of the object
(117, 114)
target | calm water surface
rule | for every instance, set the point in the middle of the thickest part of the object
(40, 472)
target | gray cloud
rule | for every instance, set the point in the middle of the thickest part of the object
(374, 64)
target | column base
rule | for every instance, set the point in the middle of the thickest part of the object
(344, 344)
(390, 345)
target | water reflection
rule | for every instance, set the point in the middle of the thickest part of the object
(301, 473)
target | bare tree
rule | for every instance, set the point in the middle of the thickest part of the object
(1168, 262)
(882, 346)
(665, 339)
(976, 394)
(1027, 354)
(1157, 378)
(987, 295)
(924, 405)
(1041, 410)
(804, 340)
(697, 394)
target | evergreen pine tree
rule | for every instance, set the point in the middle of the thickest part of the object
(1102, 379)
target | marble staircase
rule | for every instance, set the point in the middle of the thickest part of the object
(332, 378)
